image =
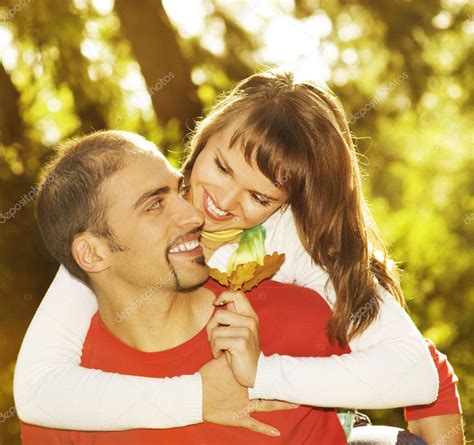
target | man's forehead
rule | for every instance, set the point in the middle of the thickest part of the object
(142, 173)
(154, 166)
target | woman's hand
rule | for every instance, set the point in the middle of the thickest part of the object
(235, 331)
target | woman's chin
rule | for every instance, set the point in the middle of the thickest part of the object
(212, 226)
(215, 226)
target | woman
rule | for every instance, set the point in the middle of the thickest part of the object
(277, 153)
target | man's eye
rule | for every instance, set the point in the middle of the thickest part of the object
(219, 166)
(260, 201)
(155, 205)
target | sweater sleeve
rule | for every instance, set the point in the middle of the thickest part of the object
(52, 389)
(389, 366)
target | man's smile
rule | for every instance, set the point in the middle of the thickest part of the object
(187, 246)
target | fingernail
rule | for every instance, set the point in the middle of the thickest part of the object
(275, 433)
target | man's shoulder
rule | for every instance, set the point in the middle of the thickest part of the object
(276, 290)
(285, 293)
(283, 304)
(293, 320)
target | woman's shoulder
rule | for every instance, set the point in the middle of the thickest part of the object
(282, 234)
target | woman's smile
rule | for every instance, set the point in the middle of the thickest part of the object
(212, 210)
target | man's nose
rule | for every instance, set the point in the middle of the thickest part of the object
(187, 215)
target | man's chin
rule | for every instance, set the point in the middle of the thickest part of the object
(189, 282)
(191, 275)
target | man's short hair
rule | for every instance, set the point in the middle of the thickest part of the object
(70, 200)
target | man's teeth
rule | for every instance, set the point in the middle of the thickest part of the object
(211, 206)
(184, 247)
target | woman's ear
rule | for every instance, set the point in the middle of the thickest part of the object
(89, 252)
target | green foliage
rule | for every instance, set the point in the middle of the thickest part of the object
(68, 68)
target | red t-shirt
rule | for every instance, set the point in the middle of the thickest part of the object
(448, 401)
(292, 322)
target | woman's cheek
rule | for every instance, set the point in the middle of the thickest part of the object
(256, 216)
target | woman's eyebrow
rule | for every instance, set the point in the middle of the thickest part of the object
(226, 165)
(264, 195)
(229, 168)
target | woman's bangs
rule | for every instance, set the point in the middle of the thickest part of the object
(263, 147)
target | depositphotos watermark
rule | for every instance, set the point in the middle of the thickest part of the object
(24, 200)
(447, 437)
(382, 93)
(7, 414)
(253, 406)
(12, 12)
(141, 100)
(24, 396)
(367, 307)
(145, 296)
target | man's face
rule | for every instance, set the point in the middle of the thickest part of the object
(157, 227)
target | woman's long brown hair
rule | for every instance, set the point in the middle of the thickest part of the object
(296, 133)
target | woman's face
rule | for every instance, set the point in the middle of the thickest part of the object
(231, 193)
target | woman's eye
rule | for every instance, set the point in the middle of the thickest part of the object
(260, 201)
(219, 166)
(155, 205)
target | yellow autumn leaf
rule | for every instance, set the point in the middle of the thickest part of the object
(219, 276)
(248, 275)
(242, 274)
(271, 264)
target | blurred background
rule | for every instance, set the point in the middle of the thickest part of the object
(403, 70)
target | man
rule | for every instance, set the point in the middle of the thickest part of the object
(115, 218)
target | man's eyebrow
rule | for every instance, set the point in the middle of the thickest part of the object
(150, 194)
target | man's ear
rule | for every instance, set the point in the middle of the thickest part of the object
(90, 252)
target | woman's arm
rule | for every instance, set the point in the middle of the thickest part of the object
(389, 366)
(53, 390)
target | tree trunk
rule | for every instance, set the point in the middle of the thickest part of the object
(163, 65)
(11, 124)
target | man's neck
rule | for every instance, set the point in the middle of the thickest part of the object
(154, 320)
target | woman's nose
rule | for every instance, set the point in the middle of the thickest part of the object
(229, 201)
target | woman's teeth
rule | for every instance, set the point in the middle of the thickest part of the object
(184, 247)
(212, 207)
